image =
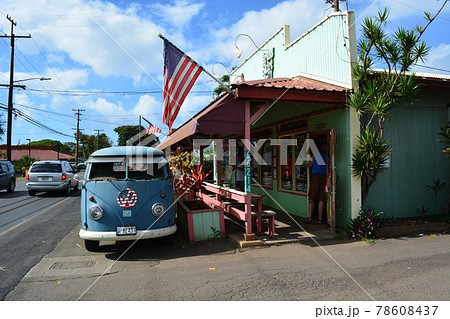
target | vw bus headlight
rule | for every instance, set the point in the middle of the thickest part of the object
(158, 209)
(96, 212)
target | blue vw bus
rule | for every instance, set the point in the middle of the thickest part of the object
(126, 194)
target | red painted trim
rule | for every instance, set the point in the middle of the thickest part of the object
(261, 111)
(291, 95)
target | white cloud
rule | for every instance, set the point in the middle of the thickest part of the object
(179, 13)
(260, 25)
(69, 30)
(147, 106)
(105, 107)
(439, 56)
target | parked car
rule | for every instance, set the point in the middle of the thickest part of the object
(81, 166)
(51, 176)
(127, 194)
(7, 176)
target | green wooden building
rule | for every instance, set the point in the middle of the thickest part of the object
(297, 90)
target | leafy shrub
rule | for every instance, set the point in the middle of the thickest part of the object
(365, 224)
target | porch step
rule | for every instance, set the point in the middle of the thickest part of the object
(264, 213)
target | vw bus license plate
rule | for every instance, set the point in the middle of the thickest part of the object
(126, 230)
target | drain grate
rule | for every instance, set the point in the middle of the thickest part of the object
(73, 265)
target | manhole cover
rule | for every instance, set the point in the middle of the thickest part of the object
(73, 265)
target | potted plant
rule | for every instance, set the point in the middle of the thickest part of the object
(199, 220)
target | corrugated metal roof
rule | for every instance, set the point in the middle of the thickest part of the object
(298, 83)
(421, 75)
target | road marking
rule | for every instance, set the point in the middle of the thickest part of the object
(34, 216)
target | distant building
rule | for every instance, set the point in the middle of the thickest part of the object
(37, 152)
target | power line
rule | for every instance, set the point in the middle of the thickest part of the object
(29, 119)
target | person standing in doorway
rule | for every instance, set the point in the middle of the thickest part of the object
(239, 177)
(317, 186)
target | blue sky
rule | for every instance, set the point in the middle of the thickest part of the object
(105, 56)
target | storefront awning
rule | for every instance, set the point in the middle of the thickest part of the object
(224, 115)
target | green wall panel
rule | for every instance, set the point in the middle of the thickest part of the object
(416, 158)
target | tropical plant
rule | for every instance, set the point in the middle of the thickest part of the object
(365, 224)
(23, 163)
(377, 94)
(188, 178)
(437, 187)
(369, 158)
(423, 212)
(225, 79)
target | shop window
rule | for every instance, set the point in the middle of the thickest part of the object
(301, 171)
(287, 175)
(263, 174)
(294, 177)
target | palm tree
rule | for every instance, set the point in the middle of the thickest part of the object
(225, 79)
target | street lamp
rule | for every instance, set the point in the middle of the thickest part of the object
(36, 78)
(239, 51)
(11, 86)
(212, 68)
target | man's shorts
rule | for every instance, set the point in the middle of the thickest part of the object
(317, 188)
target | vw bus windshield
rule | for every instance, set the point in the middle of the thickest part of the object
(117, 171)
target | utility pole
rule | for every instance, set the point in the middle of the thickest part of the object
(98, 132)
(336, 5)
(11, 86)
(78, 114)
(29, 147)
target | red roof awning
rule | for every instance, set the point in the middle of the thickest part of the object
(223, 116)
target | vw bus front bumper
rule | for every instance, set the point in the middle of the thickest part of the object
(140, 234)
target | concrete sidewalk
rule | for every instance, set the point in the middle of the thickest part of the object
(288, 229)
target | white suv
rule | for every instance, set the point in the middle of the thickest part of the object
(51, 176)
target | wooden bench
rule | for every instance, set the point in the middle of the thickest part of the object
(265, 214)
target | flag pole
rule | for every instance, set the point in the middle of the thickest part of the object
(203, 69)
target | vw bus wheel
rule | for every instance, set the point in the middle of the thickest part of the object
(91, 245)
(32, 193)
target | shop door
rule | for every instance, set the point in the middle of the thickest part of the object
(331, 180)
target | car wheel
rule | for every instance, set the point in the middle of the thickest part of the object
(12, 186)
(91, 245)
(68, 190)
(32, 193)
(76, 186)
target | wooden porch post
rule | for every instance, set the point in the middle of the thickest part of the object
(248, 201)
(219, 168)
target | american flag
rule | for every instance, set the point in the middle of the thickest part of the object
(152, 129)
(180, 73)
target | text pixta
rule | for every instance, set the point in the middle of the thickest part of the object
(337, 311)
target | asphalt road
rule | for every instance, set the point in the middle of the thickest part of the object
(30, 228)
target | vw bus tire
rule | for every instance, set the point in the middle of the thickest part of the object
(12, 186)
(32, 193)
(91, 245)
